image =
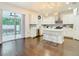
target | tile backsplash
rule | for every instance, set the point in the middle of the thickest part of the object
(53, 25)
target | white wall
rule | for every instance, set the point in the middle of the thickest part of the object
(6, 6)
(27, 26)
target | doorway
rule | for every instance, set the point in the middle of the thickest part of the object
(11, 26)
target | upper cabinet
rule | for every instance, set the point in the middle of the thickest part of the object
(33, 19)
(68, 19)
(76, 27)
(48, 20)
(44, 20)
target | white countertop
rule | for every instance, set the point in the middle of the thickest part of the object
(52, 29)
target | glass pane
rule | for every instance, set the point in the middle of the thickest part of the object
(8, 28)
(11, 26)
(18, 23)
(7, 23)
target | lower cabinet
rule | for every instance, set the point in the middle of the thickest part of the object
(33, 32)
(68, 32)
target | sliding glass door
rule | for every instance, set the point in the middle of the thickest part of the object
(18, 26)
(11, 26)
(8, 27)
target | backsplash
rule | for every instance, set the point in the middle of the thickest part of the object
(53, 25)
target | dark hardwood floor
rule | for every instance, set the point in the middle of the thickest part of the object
(38, 47)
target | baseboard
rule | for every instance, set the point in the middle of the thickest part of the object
(68, 37)
(28, 37)
(12, 40)
(71, 38)
(33, 37)
(37, 36)
(76, 39)
(22, 38)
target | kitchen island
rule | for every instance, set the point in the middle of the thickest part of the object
(53, 35)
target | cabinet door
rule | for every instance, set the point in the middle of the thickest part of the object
(33, 19)
(68, 19)
(48, 20)
(68, 32)
(76, 28)
(33, 32)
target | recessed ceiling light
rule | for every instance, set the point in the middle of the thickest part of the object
(67, 3)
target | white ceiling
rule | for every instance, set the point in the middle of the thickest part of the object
(47, 8)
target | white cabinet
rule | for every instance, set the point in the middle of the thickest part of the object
(33, 19)
(68, 32)
(76, 36)
(76, 27)
(33, 29)
(44, 20)
(48, 20)
(33, 32)
(68, 19)
(71, 19)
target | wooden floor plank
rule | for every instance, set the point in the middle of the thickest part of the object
(39, 47)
